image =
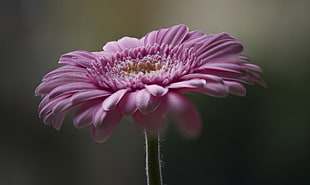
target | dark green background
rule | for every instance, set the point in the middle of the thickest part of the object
(259, 139)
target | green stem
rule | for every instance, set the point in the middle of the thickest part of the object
(153, 167)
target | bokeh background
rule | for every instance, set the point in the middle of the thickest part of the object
(259, 139)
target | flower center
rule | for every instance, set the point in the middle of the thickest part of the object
(137, 67)
(143, 66)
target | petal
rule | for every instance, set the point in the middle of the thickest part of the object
(152, 122)
(185, 114)
(233, 59)
(71, 87)
(195, 42)
(202, 76)
(256, 78)
(222, 71)
(127, 105)
(215, 89)
(235, 88)
(99, 116)
(222, 50)
(112, 46)
(129, 42)
(193, 83)
(78, 98)
(78, 58)
(89, 95)
(209, 39)
(174, 35)
(111, 102)
(150, 38)
(242, 79)
(57, 122)
(217, 45)
(100, 135)
(46, 86)
(65, 70)
(156, 90)
(194, 35)
(102, 118)
(236, 67)
(252, 67)
(84, 115)
(145, 102)
(47, 105)
(62, 106)
(73, 76)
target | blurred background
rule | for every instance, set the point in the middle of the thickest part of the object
(263, 138)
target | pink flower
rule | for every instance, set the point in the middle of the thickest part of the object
(145, 79)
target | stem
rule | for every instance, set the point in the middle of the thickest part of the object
(153, 168)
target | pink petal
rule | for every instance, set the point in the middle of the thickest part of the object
(156, 90)
(81, 75)
(235, 88)
(228, 48)
(220, 61)
(152, 122)
(252, 67)
(209, 39)
(145, 102)
(102, 118)
(98, 116)
(100, 135)
(62, 106)
(71, 87)
(193, 83)
(160, 34)
(84, 115)
(47, 86)
(174, 35)
(242, 79)
(45, 101)
(150, 38)
(207, 77)
(127, 105)
(57, 122)
(111, 102)
(256, 78)
(65, 70)
(78, 98)
(78, 58)
(195, 43)
(194, 35)
(129, 42)
(89, 95)
(47, 104)
(215, 89)
(112, 46)
(222, 72)
(224, 65)
(185, 113)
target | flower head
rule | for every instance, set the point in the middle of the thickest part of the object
(145, 79)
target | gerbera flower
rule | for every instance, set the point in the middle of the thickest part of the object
(145, 79)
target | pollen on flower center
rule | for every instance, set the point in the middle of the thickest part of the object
(144, 67)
